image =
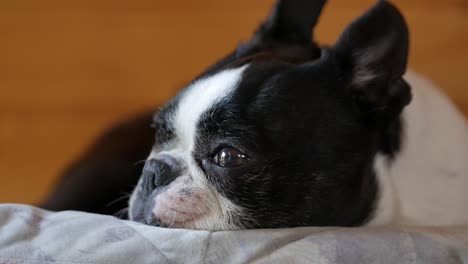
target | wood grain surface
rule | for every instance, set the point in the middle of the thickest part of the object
(69, 68)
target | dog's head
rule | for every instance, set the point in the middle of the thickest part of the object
(281, 133)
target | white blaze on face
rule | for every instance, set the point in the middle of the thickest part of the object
(199, 98)
(190, 201)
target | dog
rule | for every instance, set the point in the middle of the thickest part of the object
(283, 133)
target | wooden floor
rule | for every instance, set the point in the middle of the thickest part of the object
(69, 68)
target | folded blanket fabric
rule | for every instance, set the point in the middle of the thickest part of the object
(32, 235)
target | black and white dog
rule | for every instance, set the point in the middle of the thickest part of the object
(284, 133)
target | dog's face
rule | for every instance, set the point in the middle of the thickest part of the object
(279, 133)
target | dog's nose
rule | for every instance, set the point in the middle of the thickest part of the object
(159, 172)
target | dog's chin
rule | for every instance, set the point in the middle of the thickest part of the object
(166, 216)
(162, 215)
(190, 224)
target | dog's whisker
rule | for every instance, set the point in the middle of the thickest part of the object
(121, 213)
(125, 196)
(173, 219)
(139, 162)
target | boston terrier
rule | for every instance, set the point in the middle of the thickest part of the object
(285, 133)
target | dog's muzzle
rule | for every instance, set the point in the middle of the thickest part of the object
(171, 198)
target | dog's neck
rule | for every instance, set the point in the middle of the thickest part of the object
(419, 185)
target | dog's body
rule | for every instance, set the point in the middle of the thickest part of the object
(283, 133)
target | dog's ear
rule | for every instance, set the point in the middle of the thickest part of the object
(372, 52)
(291, 21)
(287, 31)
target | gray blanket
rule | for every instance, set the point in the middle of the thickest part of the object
(32, 235)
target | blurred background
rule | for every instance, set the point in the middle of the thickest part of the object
(70, 68)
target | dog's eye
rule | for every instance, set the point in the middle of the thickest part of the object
(229, 157)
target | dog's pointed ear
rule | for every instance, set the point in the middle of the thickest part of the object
(373, 53)
(291, 21)
(286, 33)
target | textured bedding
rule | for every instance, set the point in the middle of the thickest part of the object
(32, 235)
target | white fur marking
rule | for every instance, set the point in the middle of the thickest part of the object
(199, 97)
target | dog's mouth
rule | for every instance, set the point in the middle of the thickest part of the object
(173, 206)
(177, 210)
